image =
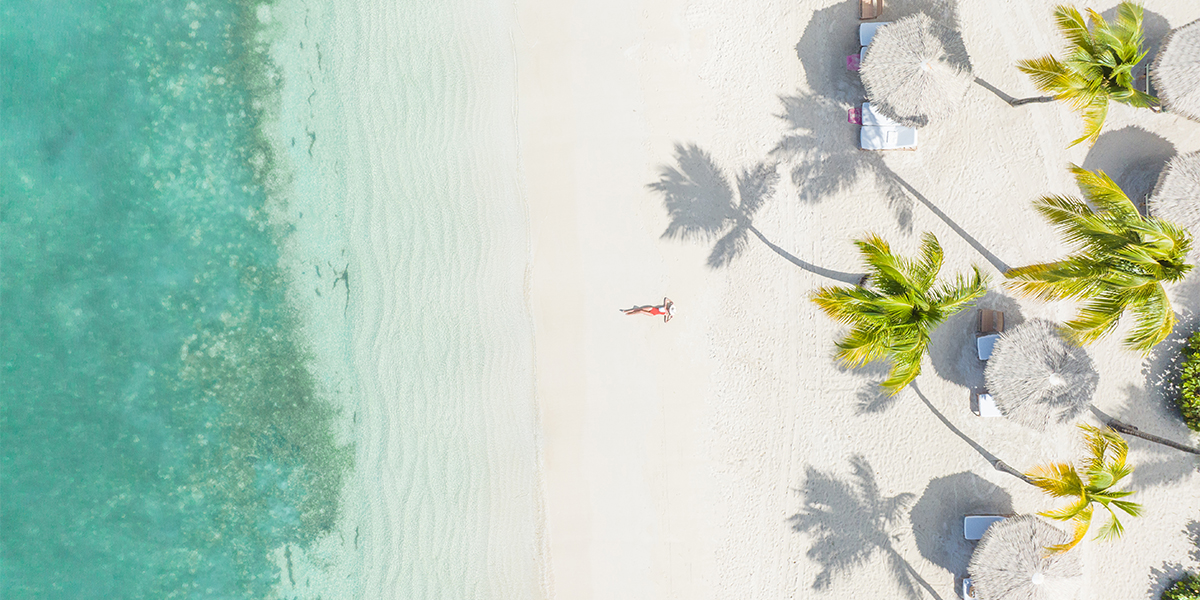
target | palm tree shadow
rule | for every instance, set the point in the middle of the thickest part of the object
(1170, 572)
(701, 206)
(851, 522)
(824, 165)
(871, 398)
(825, 159)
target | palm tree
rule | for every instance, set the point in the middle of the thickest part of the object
(1098, 66)
(1121, 263)
(894, 319)
(1104, 468)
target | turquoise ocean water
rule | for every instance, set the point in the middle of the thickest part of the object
(163, 431)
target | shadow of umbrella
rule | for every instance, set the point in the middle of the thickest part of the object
(953, 349)
(1133, 157)
(937, 518)
(850, 522)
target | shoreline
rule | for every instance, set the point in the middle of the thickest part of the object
(408, 165)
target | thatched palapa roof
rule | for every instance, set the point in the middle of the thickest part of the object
(1176, 71)
(1037, 378)
(1011, 562)
(909, 75)
(1176, 197)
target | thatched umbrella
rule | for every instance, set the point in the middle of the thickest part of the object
(1176, 71)
(1011, 562)
(909, 74)
(1037, 378)
(1176, 198)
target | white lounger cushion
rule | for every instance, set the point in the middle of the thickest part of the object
(974, 526)
(987, 406)
(866, 31)
(870, 117)
(985, 343)
(874, 137)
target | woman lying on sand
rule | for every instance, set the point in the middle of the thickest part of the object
(666, 309)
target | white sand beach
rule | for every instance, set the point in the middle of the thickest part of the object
(702, 458)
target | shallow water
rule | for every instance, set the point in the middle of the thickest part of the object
(161, 430)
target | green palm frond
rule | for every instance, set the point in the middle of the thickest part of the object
(929, 262)
(1083, 522)
(1069, 279)
(1097, 443)
(1105, 466)
(1120, 262)
(1097, 318)
(1104, 193)
(905, 368)
(1048, 75)
(1153, 321)
(1097, 64)
(1133, 509)
(959, 294)
(1094, 115)
(1112, 529)
(1069, 512)
(895, 318)
(1073, 27)
(1057, 479)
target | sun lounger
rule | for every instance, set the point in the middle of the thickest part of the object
(984, 405)
(984, 344)
(866, 31)
(991, 321)
(877, 137)
(991, 324)
(869, 9)
(974, 526)
(968, 591)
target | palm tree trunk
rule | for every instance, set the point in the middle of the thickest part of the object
(1038, 99)
(1128, 429)
(1009, 99)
